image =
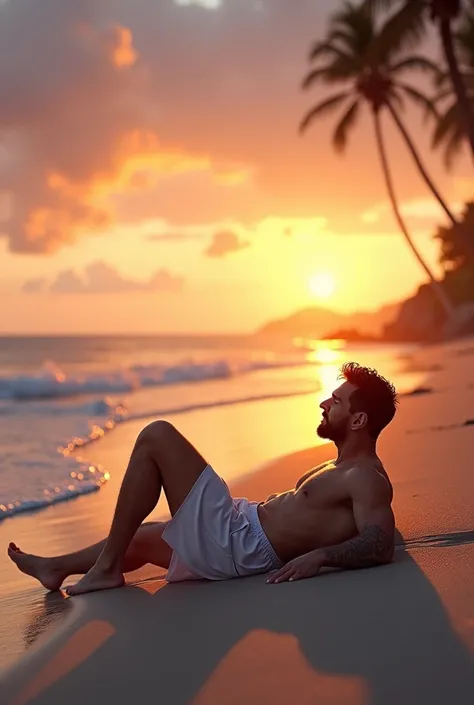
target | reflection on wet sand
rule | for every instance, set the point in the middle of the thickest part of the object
(45, 612)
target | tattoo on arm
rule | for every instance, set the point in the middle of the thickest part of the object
(372, 547)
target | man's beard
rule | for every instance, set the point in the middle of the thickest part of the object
(330, 431)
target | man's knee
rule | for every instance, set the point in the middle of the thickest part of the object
(157, 431)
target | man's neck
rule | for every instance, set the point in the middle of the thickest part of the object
(353, 449)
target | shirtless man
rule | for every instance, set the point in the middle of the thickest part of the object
(338, 515)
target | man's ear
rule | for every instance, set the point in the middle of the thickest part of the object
(359, 420)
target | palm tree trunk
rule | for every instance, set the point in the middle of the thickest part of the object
(467, 111)
(437, 288)
(420, 165)
(466, 235)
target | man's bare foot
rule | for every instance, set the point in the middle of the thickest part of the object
(43, 569)
(97, 579)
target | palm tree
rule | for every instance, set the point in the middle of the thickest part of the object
(450, 132)
(409, 25)
(370, 73)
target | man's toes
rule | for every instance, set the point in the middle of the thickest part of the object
(13, 547)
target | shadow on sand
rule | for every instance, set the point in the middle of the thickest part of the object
(379, 636)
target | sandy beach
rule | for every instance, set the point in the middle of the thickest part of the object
(400, 633)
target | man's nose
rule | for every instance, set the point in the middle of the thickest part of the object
(324, 405)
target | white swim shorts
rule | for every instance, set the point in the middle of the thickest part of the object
(216, 537)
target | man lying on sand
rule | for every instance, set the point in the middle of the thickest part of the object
(338, 515)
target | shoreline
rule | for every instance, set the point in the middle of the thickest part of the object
(187, 403)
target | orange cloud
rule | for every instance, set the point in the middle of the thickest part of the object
(47, 229)
(78, 128)
(141, 150)
(138, 163)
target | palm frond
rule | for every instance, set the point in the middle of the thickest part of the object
(315, 76)
(464, 38)
(326, 106)
(355, 22)
(328, 49)
(396, 99)
(334, 73)
(447, 124)
(346, 123)
(402, 31)
(418, 97)
(379, 5)
(450, 134)
(443, 79)
(453, 147)
(344, 38)
(439, 97)
(417, 62)
(354, 15)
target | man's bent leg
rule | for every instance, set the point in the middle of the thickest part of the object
(147, 546)
(162, 457)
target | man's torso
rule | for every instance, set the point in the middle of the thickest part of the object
(317, 513)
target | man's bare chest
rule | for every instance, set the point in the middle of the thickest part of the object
(325, 488)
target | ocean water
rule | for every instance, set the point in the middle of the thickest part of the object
(59, 395)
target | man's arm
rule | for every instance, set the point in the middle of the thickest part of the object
(374, 544)
(373, 515)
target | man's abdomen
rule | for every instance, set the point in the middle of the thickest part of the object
(294, 530)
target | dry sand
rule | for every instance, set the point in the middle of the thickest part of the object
(402, 633)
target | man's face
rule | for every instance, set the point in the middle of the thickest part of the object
(335, 424)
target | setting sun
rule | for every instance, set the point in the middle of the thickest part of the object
(322, 285)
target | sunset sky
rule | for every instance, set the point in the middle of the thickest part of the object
(152, 178)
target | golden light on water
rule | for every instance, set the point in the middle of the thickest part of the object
(327, 356)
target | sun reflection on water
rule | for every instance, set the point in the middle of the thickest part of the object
(327, 356)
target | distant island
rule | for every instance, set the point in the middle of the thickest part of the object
(417, 319)
(322, 323)
(351, 335)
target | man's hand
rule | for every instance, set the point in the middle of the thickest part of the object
(306, 566)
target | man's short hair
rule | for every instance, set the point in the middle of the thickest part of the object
(375, 396)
